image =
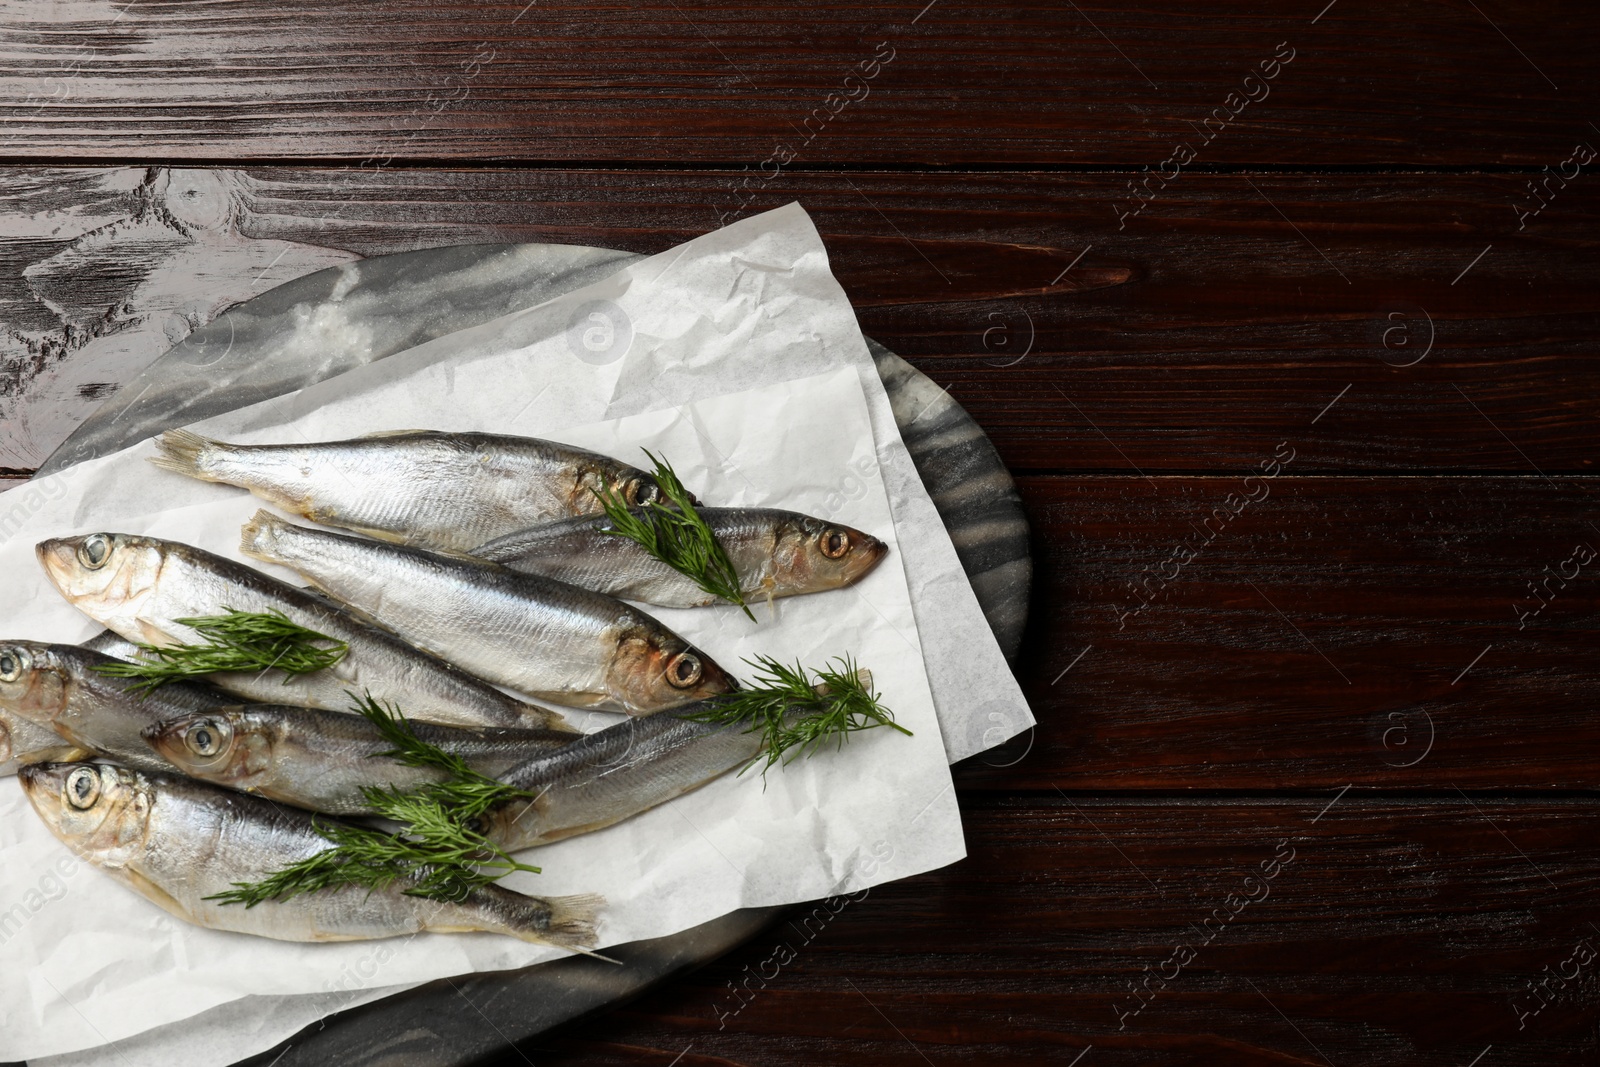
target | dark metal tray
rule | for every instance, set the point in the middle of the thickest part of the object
(275, 343)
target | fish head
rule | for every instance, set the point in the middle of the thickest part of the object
(655, 669)
(107, 576)
(225, 745)
(811, 555)
(100, 811)
(33, 683)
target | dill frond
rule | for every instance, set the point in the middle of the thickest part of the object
(439, 851)
(676, 535)
(234, 641)
(798, 715)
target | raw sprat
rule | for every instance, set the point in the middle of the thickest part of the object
(183, 844)
(775, 553)
(548, 639)
(75, 692)
(142, 586)
(674, 532)
(325, 760)
(419, 487)
(439, 850)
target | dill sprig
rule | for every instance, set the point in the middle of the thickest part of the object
(466, 794)
(439, 849)
(234, 641)
(798, 715)
(677, 535)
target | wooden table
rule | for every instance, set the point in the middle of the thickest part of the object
(1313, 488)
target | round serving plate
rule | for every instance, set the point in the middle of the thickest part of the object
(302, 332)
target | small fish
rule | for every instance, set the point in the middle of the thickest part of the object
(56, 687)
(775, 553)
(175, 842)
(546, 638)
(420, 487)
(140, 586)
(615, 773)
(321, 760)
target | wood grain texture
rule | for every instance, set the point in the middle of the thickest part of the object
(1400, 931)
(1348, 267)
(1192, 339)
(1383, 631)
(1039, 83)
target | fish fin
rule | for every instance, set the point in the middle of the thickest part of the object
(155, 894)
(258, 537)
(376, 434)
(565, 922)
(572, 919)
(184, 452)
(539, 717)
(359, 614)
(154, 636)
(62, 753)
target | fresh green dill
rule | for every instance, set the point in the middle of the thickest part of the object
(466, 794)
(234, 641)
(440, 849)
(797, 715)
(676, 535)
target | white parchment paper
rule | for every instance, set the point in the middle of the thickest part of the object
(98, 963)
(753, 304)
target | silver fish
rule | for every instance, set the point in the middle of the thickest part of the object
(546, 638)
(57, 687)
(615, 773)
(422, 487)
(175, 842)
(321, 760)
(775, 553)
(140, 586)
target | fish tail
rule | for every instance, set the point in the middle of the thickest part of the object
(565, 922)
(572, 921)
(187, 453)
(258, 538)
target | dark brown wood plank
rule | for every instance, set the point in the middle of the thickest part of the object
(1382, 631)
(1399, 932)
(1237, 325)
(1036, 83)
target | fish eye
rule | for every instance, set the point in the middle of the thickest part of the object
(83, 788)
(205, 738)
(94, 551)
(13, 661)
(642, 492)
(834, 542)
(685, 670)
